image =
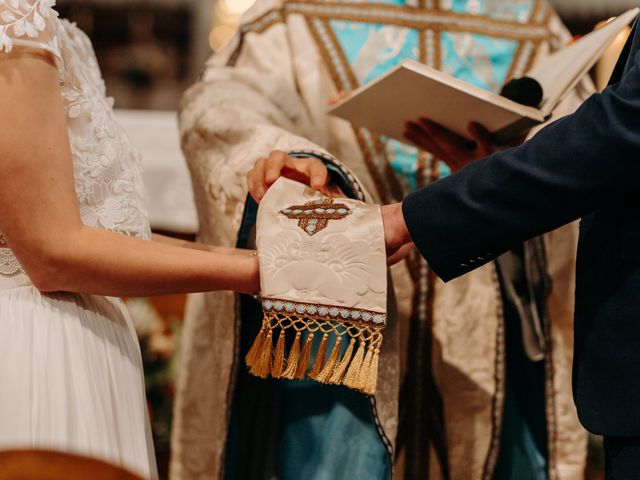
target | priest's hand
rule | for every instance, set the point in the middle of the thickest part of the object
(310, 171)
(454, 150)
(396, 235)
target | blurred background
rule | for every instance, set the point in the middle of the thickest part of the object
(164, 44)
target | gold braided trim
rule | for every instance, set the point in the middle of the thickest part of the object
(344, 80)
(421, 18)
(356, 368)
(540, 13)
(332, 53)
(527, 50)
(264, 22)
(521, 60)
(418, 18)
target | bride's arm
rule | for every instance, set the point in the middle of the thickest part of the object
(39, 212)
(177, 242)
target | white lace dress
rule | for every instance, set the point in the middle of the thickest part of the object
(71, 372)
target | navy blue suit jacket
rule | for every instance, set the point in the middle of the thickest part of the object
(584, 165)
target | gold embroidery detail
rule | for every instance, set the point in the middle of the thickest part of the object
(314, 216)
(418, 18)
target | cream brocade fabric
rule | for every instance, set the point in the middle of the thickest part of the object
(339, 263)
(323, 271)
(108, 180)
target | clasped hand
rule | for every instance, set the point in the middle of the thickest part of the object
(312, 171)
(454, 150)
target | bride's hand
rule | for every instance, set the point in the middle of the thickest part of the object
(310, 171)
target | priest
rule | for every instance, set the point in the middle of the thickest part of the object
(445, 404)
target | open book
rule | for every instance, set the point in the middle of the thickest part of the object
(413, 90)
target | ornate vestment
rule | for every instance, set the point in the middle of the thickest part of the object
(323, 279)
(269, 89)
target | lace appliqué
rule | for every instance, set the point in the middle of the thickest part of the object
(107, 167)
(23, 19)
(8, 263)
(314, 216)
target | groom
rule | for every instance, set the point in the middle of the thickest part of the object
(585, 165)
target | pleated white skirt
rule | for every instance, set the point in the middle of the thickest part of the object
(71, 377)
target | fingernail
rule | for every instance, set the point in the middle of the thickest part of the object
(260, 192)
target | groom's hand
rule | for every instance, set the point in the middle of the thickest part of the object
(310, 171)
(397, 238)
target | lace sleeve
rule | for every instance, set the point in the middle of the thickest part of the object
(29, 23)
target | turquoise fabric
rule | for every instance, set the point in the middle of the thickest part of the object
(328, 434)
(520, 458)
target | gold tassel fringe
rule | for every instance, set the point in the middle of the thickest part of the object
(353, 373)
(262, 366)
(320, 354)
(303, 362)
(338, 373)
(292, 360)
(254, 351)
(357, 368)
(372, 374)
(278, 361)
(327, 371)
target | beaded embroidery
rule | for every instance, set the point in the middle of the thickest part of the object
(8, 263)
(314, 216)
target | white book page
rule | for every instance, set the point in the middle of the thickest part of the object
(562, 70)
(413, 90)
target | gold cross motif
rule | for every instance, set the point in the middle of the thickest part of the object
(314, 216)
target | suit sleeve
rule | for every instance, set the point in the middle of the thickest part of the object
(579, 164)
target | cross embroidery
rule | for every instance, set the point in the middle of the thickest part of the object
(314, 216)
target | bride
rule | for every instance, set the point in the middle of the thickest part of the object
(74, 237)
